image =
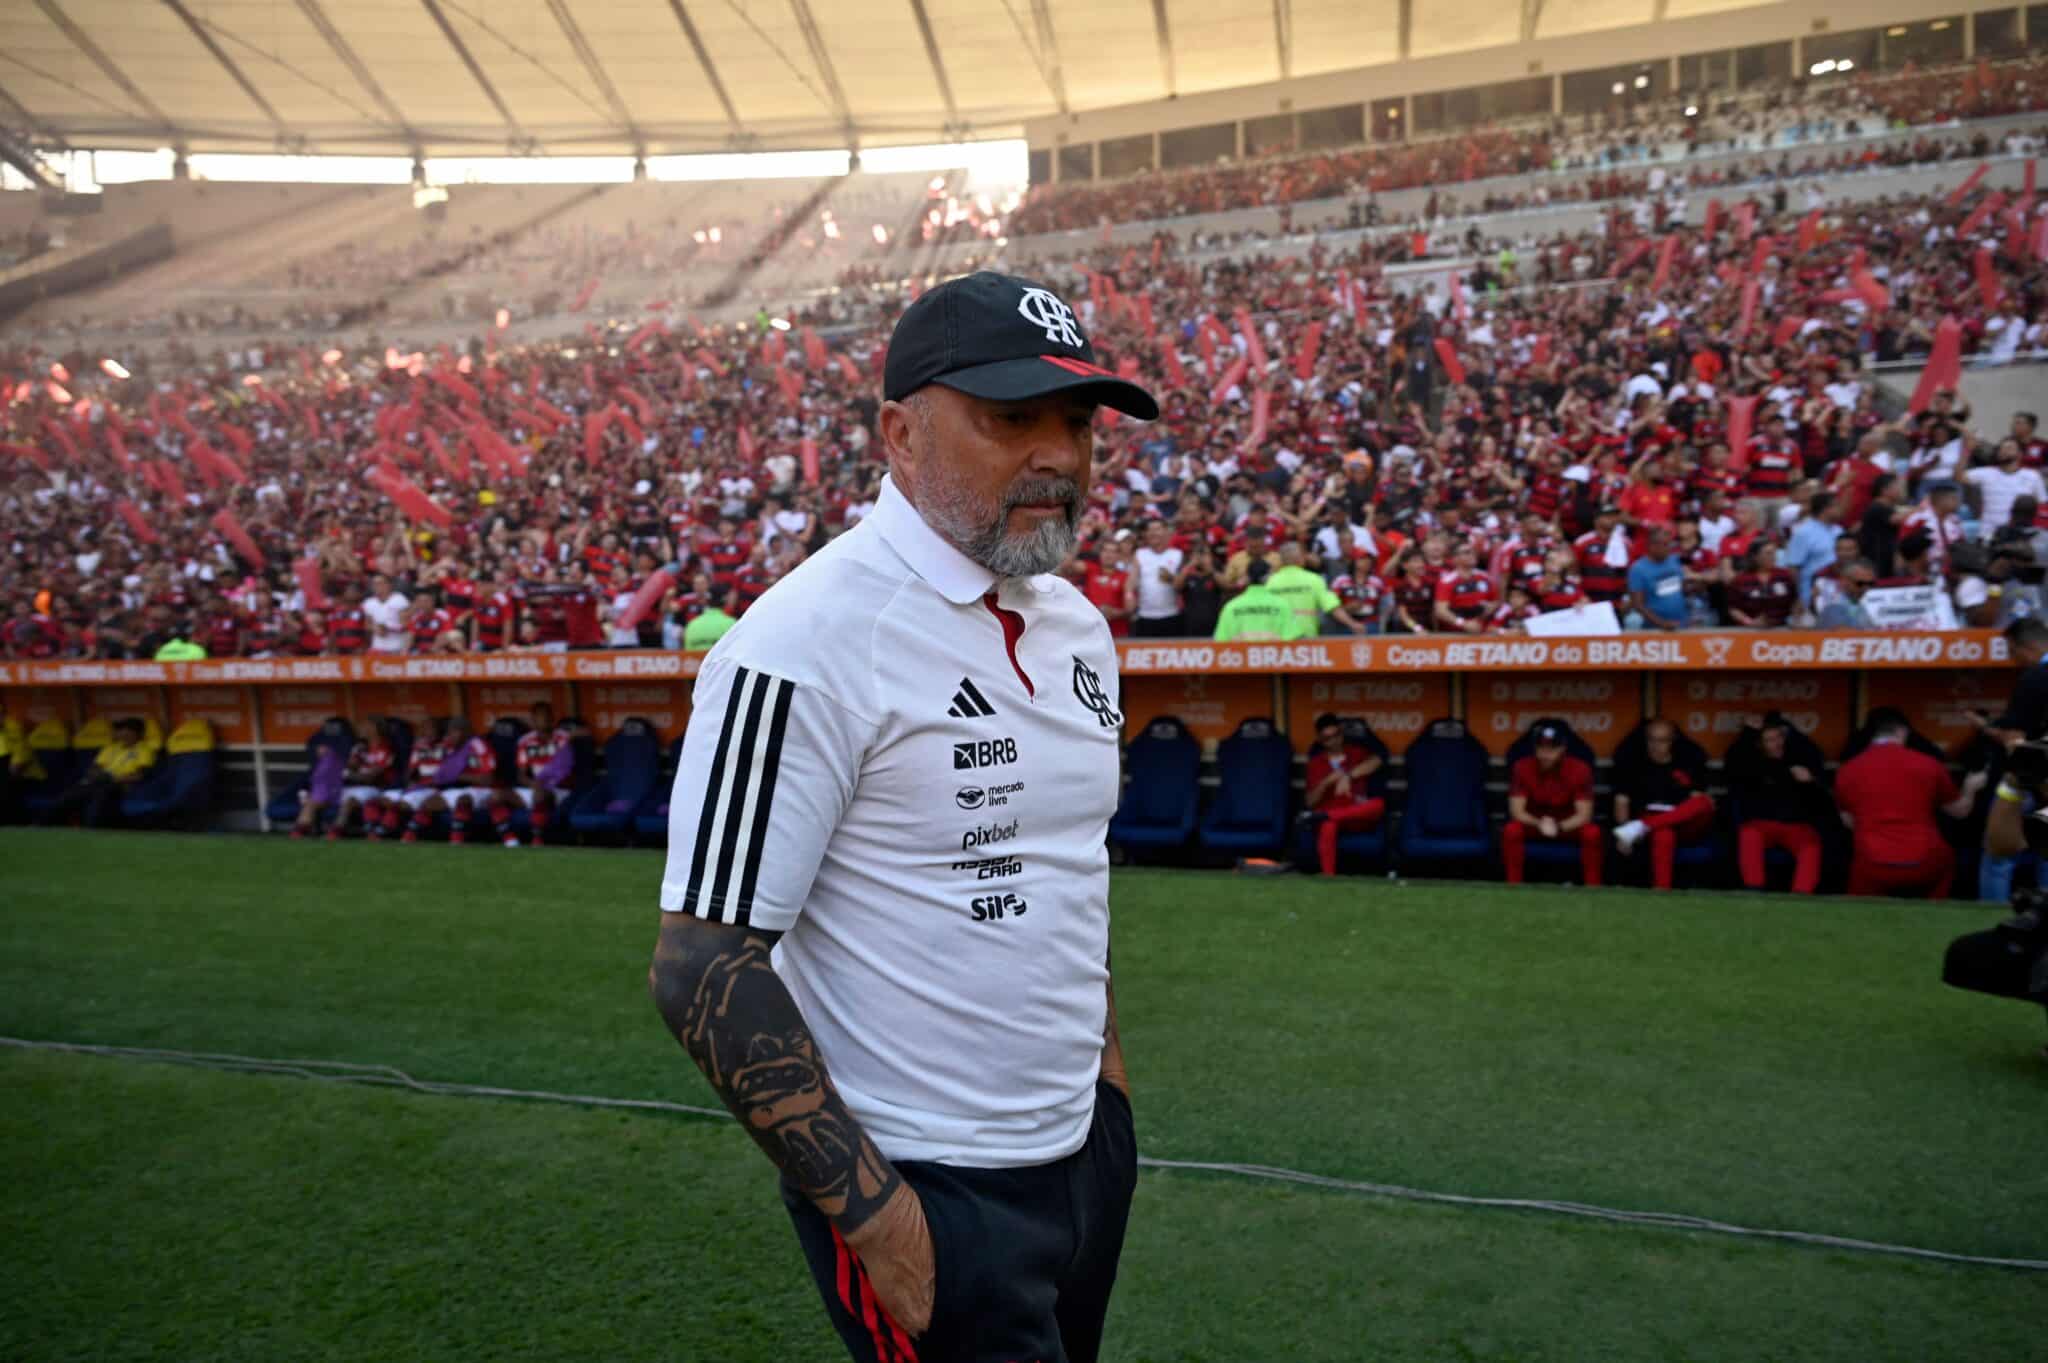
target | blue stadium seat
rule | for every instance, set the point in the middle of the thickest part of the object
(1249, 814)
(1367, 845)
(1537, 851)
(1445, 819)
(1159, 802)
(650, 823)
(335, 734)
(181, 785)
(632, 773)
(61, 766)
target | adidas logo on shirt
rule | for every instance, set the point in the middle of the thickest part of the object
(969, 703)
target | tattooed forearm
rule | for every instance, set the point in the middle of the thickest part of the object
(715, 989)
(1113, 1047)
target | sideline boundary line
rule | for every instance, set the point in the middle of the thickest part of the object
(388, 1076)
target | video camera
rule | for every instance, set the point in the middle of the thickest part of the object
(2011, 960)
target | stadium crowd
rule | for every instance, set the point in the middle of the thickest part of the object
(1685, 431)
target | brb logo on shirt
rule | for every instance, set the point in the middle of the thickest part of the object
(984, 752)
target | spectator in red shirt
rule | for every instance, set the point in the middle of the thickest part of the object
(1464, 596)
(1337, 797)
(1550, 798)
(1107, 583)
(1889, 795)
(1762, 595)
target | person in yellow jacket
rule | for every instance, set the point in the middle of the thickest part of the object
(112, 774)
(1258, 614)
(19, 767)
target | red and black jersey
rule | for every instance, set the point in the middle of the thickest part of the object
(266, 633)
(347, 631)
(479, 765)
(550, 621)
(494, 615)
(1699, 560)
(1361, 594)
(1706, 481)
(1772, 472)
(727, 557)
(429, 626)
(1599, 579)
(579, 618)
(536, 750)
(370, 764)
(602, 561)
(1469, 595)
(1556, 792)
(1417, 600)
(221, 633)
(1547, 494)
(1769, 597)
(749, 585)
(1563, 596)
(310, 642)
(458, 593)
(427, 757)
(1504, 617)
(1523, 561)
(37, 636)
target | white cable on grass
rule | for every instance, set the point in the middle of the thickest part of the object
(344, 1072)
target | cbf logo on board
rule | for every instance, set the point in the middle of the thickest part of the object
(1088, 690)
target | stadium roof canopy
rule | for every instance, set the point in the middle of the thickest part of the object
(607, 77)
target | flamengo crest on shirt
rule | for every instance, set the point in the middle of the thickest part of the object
(1088, 690)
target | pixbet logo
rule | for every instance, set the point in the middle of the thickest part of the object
(988, 835)
(984, 752)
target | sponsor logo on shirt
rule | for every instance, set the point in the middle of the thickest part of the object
(996, 868)
(994, 907)
(969, 703)
(974, 797)
(987, 835)
(984, 752)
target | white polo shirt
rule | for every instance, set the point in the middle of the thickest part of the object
(869, 772)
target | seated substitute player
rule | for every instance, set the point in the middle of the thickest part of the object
(1778, 799)
(372, 767)
(1662, 799)
(1550, 797)
(929, 1057)
(1336, 791)
(96, 795)
(544, 764)
(454, 763)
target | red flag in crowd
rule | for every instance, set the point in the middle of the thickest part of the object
(746, 442)
(1713, 222)
(1447, 355)
(643, 410)
(1667, 252)
(1809, 231)
(1254, 346)
(594, 427)
(1962, 191)
(1206, 344)
(1873, 293)
(584, 294)
(1750, 289)
(1986, 206)
(792, 387)
(307, 571)
(1145, 313)
(231, 530)
(807, 451)
(1741, 417)
(31, 453)
(1988, 290)
(711, 362)
(1262, 407)
(409, 499)
(1787, 328)
(1170, 353)
(1637, 249)
(237, 437)
(1305, 354)
(174, 486)
(137, 522)
(1231, 378)
(849, 369)
(1944, 366)
(658, 584)
(1762, 254)
(774, 348)
(814, 351)
(461, 387)
(1745, 220)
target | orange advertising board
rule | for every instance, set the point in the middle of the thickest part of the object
(293, 714)
(413, 702)
(489, 702)
(1938, 703)
(226, 708)
(118, 702)
(1210, 706)
(1500, 707)
(1397, 708)
(1710, 708)
(33, 705)
(665, 705)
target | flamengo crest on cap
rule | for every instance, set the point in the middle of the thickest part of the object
(1044, 308)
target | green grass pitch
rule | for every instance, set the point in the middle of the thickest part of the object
(1757, 1060)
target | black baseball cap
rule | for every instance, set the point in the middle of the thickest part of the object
(1550, 733)
(998, 336)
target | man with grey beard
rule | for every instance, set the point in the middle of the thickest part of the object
(885, 926)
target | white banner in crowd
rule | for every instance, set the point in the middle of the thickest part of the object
(1922, 607)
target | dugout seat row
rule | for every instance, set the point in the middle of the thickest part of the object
(1444, 826)
(177, 791)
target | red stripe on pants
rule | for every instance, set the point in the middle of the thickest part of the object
(869, 1310)
(1355, 817)
(1515, 837)
(1670, 827)
(1801, 840)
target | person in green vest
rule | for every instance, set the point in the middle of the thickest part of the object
(1256, 615)
(1306, 593)
(709, 627)
(179, 649)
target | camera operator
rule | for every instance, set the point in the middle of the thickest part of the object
(2011, 960)
(2026, 710)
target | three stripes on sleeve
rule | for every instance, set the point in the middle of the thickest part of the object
(732, 826)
